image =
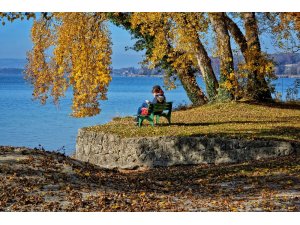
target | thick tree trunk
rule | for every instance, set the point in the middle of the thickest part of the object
(227, 78)
(207, 72)
(237, 35)
(203, 61)
(190, 85)
(257, 87)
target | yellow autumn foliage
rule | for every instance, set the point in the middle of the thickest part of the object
(175, 37)
(71, 50)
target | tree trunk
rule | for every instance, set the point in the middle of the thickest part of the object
(237, 35)
(190, 85)
(203, 60)
(207, 72)
(257, 87)
(227, 78)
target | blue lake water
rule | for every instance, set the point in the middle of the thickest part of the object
(24, 122)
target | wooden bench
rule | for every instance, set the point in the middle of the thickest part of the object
(156, 110)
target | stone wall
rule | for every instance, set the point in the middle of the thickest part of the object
(111, 151)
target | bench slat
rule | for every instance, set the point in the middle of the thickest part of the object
(159, 108)
(162, 106)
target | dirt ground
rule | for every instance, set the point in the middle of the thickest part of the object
(37, 180)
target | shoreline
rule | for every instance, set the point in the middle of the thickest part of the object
(18, 71)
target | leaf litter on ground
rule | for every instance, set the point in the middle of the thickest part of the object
(35, 180)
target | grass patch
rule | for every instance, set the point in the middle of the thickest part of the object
(235, 119)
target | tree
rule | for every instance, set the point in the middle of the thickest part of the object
(227, 80)
(80, 57)
(257, 66)
(284, 28)
(187, 27)
(257, 87)
(160, 51)
(12, 16)
(73, 50)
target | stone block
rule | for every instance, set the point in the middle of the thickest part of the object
(111, 151)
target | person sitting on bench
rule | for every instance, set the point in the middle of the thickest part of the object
(159, 97)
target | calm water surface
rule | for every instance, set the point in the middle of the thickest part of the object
(24, 122)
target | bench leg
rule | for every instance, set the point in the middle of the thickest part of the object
(157, 119)
(169, 119)
(151, 120)
(140, 122)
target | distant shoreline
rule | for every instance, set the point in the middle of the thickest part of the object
(7, 71)
(288, 76)
(140, 75)
(136, 75)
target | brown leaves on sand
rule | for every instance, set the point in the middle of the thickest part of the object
(45, 181)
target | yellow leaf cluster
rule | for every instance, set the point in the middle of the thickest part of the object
(260, 63)
(79, 49)
(154, 25)
(175, 36)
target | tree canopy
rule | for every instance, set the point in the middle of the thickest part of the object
(73, 50)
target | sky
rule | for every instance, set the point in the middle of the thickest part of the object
(15, 42)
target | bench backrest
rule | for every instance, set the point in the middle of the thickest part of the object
(159, 107)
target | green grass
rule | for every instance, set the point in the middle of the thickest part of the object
(235, 119)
